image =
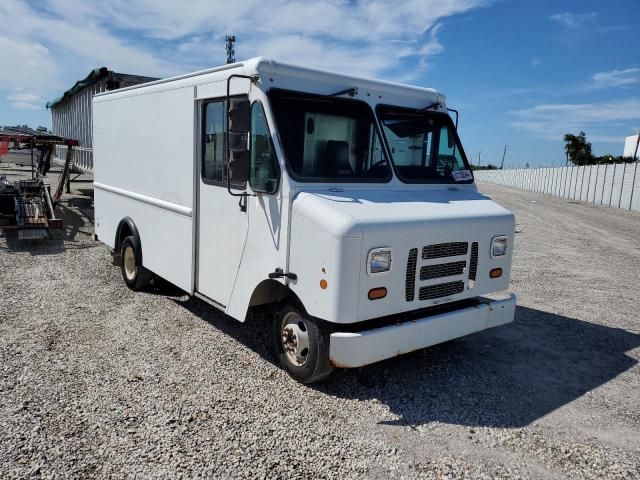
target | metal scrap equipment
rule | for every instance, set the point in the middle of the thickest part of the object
(27, 206)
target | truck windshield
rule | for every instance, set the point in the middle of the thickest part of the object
(329, 139)
(424, 146)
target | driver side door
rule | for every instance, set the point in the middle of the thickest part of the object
(222, 225)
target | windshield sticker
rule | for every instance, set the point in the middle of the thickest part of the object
(461, 175)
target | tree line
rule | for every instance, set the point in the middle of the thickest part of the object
(485, 167)
(12, 127)
(578, 151)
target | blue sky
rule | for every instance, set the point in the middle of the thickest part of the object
(521, 72)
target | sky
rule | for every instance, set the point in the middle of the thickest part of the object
(522, 73)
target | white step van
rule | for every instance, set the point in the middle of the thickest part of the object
(347, 204)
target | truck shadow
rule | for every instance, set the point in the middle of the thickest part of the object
(77, 215)
(509, 376)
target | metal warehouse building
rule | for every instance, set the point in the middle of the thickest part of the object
(71, 114)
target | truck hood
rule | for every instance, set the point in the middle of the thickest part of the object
(352, 212)
(459, 223)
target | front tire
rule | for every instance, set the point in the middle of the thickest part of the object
(302, 345)
(135, 276)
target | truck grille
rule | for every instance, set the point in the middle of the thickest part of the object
(473, 267)
(443, 270)
(410, 282)
(441, 290)
(441, 250)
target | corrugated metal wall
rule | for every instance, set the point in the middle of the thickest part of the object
(616, 185)
(73, 119)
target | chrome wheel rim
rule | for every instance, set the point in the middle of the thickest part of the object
(294, 336)
(129, 263)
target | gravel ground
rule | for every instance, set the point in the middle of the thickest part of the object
(97, 381)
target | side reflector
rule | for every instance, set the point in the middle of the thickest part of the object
(377, 293)
(495, 273)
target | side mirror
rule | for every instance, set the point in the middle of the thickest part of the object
(239, 115)
(239, 162)
(239, 126)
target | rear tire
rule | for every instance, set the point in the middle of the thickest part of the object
(135, 276)
(302, 345)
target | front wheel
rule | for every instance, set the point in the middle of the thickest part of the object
(302, 345)
(135, 276)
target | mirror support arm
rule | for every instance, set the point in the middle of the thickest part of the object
(243, 196)
(456, 112)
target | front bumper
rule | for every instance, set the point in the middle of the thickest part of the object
(348, 350)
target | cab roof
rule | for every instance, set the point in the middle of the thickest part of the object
(278, 74)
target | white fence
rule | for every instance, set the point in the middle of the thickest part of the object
(616, 185)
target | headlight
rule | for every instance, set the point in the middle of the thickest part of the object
(379, 261)
(498, 246)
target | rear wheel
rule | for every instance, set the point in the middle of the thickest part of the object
(302, 345)
(135, 276)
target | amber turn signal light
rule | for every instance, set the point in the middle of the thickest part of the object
(377, 293)
(495, 273)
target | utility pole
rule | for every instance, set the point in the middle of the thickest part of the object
(503, 154)
(231, 51)
(479, 161)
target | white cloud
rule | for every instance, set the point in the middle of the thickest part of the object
(56, 49)
(574, 21)
(24, 97)
(76, 38)
(32, 71)
(578, 26)
(364, 37)
(59, 41)
(25, 106)
(552, 121)
(25, 101)
(369, 20)
(25, 64)
(616, 78)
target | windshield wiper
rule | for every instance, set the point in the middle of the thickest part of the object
(433, 105)
(351, 91)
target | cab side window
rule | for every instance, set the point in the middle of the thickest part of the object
(264, 172)
(213, 146)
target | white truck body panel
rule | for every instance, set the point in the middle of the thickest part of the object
(143, 172)
(147, 155)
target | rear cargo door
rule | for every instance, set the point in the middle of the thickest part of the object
(222, 226)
